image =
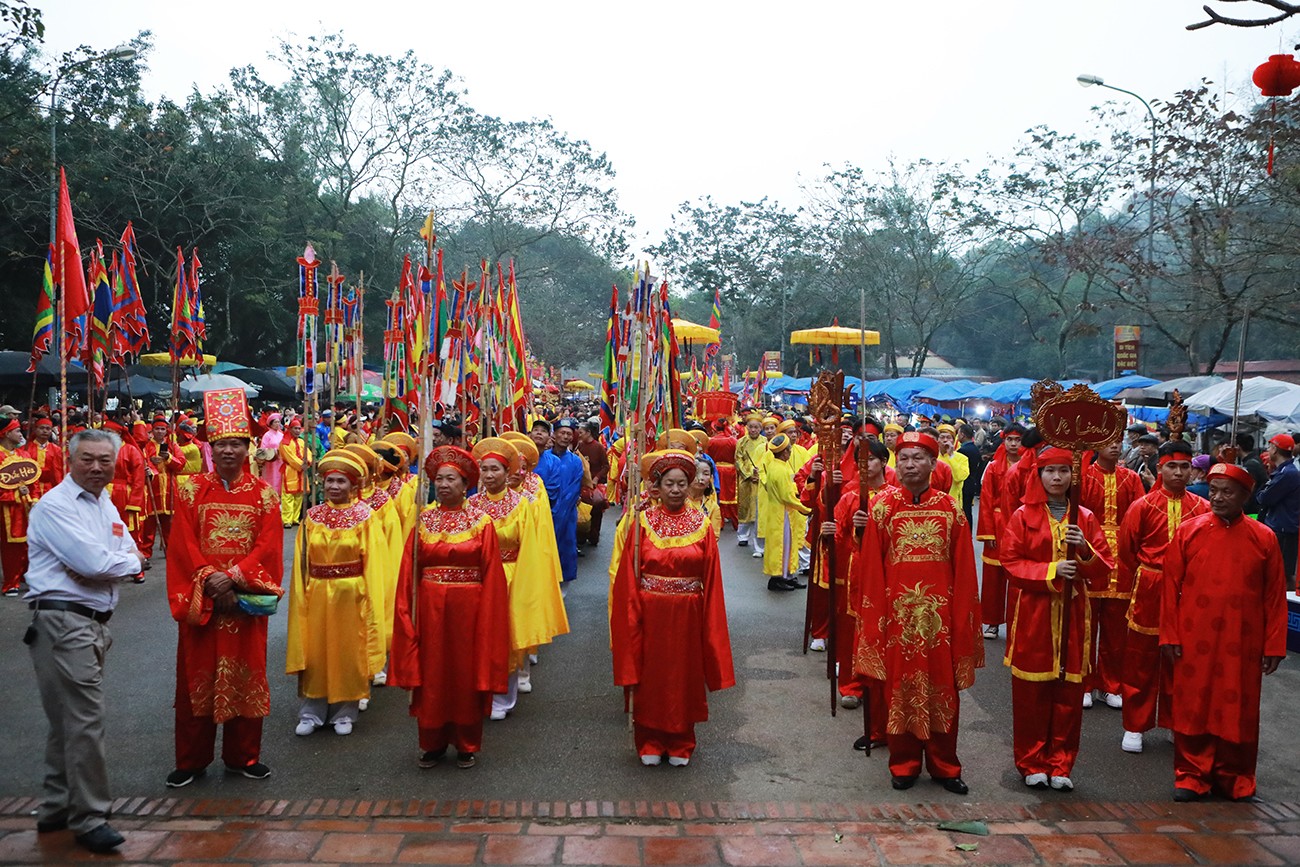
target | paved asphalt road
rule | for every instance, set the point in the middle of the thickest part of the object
(771, 738)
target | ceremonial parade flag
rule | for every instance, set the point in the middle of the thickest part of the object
(69, 276)
(43, 332)
(99, 347)
(521, 387)
(715, 322)
(609, 386)
(131, 325)
(308, 312)
(184, 337)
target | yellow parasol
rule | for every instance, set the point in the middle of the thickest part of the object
(579, 385)
(835, 335)
(164, 359)
(293, 370)
(699, 335)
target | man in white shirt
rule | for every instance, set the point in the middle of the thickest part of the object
(79, 551)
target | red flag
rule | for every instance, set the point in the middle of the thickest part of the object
(68, 274)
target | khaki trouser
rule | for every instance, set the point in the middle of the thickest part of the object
(68, 654)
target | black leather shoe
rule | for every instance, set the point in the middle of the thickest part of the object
(902, 783)
(49, 826)
(795, 584)
(743, 543)
(1182, 795)
(101, 840)
(954, 785)
(775, 583)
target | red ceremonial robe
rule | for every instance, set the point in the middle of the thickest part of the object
(722, 448)
(49, 458)
(1143, 538)
(919, 620)
(1109, 496)
(668, 627)
(1224, 604)
(1046, 711)
(451, 632)
(996, 508)
(13, 534)
(221, 658)
(127, 487)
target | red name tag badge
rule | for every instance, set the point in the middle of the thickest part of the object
(118, 530)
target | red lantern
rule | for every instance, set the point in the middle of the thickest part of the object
(1279, 76)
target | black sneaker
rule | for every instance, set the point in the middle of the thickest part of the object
(255, 771)
(101, 840)
(465, 760)
(430, 759)
(178, 778)
(743, 543)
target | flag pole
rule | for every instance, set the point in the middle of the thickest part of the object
(61, 304)
(358, 341)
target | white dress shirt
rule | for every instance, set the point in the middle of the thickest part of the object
(73, 533)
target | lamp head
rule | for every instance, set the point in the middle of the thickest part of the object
(123, 53)
(1088, 80)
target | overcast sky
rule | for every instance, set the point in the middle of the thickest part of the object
(737, 100)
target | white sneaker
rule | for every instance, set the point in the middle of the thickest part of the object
(991, 631)
(343, 727)
(757, 555)
(1132, 742)
(818, 645)
(651, 761)
(1087, 699)
(497, 714)
(363, 704)
(532, 659)
(1063, 784)
(305, 727)
(525, 683)
(380, 678)
(850, 702)
(1112, 700)
(678, 761)
(1035, 780)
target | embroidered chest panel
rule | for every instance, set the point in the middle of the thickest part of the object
(665, 524)
(447, 522)
(339, 519)
(377, 500)
(497, 509)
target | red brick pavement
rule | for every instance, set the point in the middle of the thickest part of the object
(323, 831)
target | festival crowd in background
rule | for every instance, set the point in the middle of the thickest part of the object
(1163, 598)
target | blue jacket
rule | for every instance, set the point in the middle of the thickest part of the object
(1281, 498)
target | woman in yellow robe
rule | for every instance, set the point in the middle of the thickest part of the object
(530, 485)
(537, 612)
(401, 486)
(780, 493)
(335, 639)
(385, 514)
(700, 495)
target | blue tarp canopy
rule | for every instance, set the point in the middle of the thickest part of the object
(1160, 415)
(1012, 391)
(898, 390)
(1112, 387)
(946, 392)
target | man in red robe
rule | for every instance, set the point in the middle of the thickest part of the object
(48, 456)
(990, 528)
(1143, 538)
(14, 504)
(227, 546)
(163, 461)
(1223, 626)
(808, 481)
(1048, 658)
(127, 487)
(722, 448)
(1109, 490)
(919, 608)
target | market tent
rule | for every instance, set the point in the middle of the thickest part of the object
(1254, 392)
(946, 392)
(13, 370)
(197, 385)
(272, 385)
(1111, 388)
(1013, 391)
(1164, 391)
(138, 387)
(1160, 415)
(1283, 407)
(772, 386)
(897, 390)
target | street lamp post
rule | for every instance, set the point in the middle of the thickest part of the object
(1087, 80)
(113, 54)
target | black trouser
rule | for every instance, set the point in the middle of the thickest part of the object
(593, 529)
(1287, 541)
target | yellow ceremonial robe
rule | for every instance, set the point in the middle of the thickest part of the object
(780, 498)
(335, 642)
(389, 558)
(960, 467)
(537, 612)
(750, 453)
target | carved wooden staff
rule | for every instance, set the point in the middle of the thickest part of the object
(825, 400)
(863, 455)
(1077, 419)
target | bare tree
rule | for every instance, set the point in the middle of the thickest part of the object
(1284, 11)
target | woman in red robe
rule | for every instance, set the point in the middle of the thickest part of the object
(1047, 709)
(451, 635)
(668, 621)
